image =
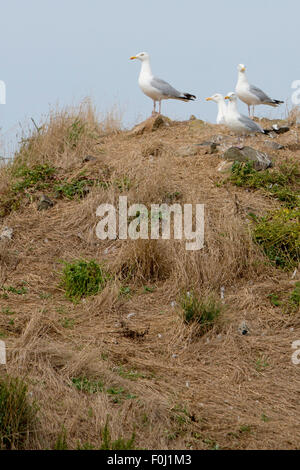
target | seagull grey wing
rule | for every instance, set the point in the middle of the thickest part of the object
(165, 88)
(261, 95)
(249, 124)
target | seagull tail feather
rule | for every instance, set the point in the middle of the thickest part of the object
(188, 97)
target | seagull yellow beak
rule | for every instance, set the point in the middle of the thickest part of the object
(227, 98)
(133, 57)
(208, 99)
(243, 69)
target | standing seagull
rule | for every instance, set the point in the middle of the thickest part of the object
(222, 107)
(251, 95)
(238, 123)
(156, 88)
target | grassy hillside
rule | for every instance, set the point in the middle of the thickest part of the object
(141, 344)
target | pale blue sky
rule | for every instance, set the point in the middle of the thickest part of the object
(60, 51)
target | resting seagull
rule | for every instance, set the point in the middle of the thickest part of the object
(238, 123)
(222, 107)
(156, 88)
(251, 95)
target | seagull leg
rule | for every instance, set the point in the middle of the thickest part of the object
(253, 112)
(249, 110)
(154, 108)
(159, 112)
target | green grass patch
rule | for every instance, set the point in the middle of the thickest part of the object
(75, 188)
(75, 132)
(83, 278)
(289, 302)
(278, 234)
(83, 384)
(130, 374)
(106, 441)
(203, 312)
(15, 290)
(17, 414)
(280, 183)
(36, 177)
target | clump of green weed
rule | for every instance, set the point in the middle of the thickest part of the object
(61, 441)
(119, 444)
(295, 295)
(280, 183)
(289, 302)
(75, 132)
(76, 187)
(16, 290)
(123, 184)
(203, 312)
(279, 235)
(17, 414)
(82, 278)
(35, 177)
(107, 443)
(83, 384)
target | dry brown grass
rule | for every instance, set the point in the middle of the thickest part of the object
(223, 390)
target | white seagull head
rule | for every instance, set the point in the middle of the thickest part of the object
(142, 56)
(217, 98)
(241, 68)
(231, 97)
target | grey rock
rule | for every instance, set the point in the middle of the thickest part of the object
(187, 151)
(273, 145)
(212, 146)
(45, 203)
(6, 234)
(89, 158)
(248, 154)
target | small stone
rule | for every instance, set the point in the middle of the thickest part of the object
(6, 234)
(273, 145)
(244, 329)
(45, 203)
(187, 151)
(225, 167)
(212, 147)
(131, 315)
(89, 158)
(222, 293)
(174, 356)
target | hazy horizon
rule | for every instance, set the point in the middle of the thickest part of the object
(57, 53)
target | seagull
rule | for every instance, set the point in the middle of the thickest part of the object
(156, 88)
(222, 107)
(238, 123)
(251, 95)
